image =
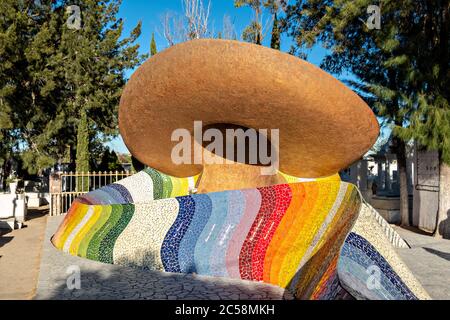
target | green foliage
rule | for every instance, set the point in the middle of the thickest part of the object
(153, 49)
(430, 125)
(110, 162)
(137, 165)
(48, 73)
(82, 159)
(275, 42)
(253, 33)
(253, 4)
(402, 70)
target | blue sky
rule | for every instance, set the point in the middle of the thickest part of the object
(150, 13)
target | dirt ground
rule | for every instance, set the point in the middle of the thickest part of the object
(20, 252)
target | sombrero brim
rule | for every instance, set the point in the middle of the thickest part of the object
(324, 126)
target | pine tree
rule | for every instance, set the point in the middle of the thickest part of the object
(153, 49)
(22, 111)
(49, 72)
(82, 159)
(93, 61)
(401, 69)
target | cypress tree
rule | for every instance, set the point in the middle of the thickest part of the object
(153, 49)
(275, 40)
(82, 157)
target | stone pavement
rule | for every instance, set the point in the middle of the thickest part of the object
(105, 281)
(20, 252)
(429, 260)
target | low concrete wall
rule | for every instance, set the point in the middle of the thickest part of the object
(389, 207)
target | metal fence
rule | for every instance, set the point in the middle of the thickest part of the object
(65, 187)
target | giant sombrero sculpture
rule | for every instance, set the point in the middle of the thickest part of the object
(313, 236)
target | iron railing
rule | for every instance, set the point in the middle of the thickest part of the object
(74, 184)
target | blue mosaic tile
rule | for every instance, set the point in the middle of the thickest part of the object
(209, 236)
(171, 243)
(187, 245)
(236, 207)
(361, 252)
(115, 194)
(126, 196)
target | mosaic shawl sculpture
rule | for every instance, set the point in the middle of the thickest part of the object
(315, 237)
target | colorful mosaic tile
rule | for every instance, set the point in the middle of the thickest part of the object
(366, 255)
(302, 236)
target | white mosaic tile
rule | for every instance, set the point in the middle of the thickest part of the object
(140, 186)
(140, 243)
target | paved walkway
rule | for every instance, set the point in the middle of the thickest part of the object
(20, 270)
(20, 252)
(105, 281)
(429, 260)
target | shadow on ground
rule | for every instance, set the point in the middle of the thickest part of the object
(4, 240)
(123, 283)
(441, 254)
(100, 281)
(31, 215)
(37, 213)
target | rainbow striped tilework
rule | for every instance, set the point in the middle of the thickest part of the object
(296, 236)
(146, 185)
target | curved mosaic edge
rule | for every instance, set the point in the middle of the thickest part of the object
(394, 238)
(288, 235)
(146, 185)
(368, 258)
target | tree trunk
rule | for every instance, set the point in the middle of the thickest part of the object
(3, 176)
(5, 173)
(400, 151)
(443, 221)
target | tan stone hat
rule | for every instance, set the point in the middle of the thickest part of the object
(324, 126)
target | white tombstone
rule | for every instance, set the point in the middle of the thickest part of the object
(13, 208)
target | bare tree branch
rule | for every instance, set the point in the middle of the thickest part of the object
(197, 18)
(167, 28)
(228, 30)
(193, 23)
